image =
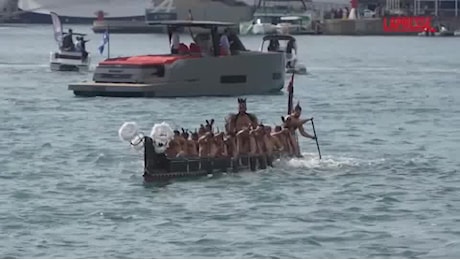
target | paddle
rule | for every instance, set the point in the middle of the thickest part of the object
(316, 138)
(290, 89)
(290, 104)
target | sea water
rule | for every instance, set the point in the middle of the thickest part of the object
(387, 117)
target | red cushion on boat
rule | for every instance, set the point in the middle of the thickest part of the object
(144, 60)
(183, 49)
(224, 52)
(194, 48)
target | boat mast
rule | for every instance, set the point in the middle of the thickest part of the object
(304, 4)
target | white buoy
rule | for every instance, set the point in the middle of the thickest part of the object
(128, 131)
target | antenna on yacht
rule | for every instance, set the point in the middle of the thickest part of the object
(108, 41)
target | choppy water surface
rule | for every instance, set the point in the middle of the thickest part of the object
(387, 117)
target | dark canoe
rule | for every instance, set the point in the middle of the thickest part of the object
(157, 167)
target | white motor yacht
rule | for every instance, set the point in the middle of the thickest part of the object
(196, 70)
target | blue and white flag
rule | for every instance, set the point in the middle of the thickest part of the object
(105, 40)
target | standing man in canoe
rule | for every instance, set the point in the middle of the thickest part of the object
(293, 123)
(240, 124)
(242, 119)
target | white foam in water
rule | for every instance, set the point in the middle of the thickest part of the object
(312, 161)
(128, 131)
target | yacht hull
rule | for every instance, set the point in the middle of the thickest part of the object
(248, 73)
(42, 18)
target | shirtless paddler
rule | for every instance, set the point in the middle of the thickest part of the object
(241, 124)
(293, 122)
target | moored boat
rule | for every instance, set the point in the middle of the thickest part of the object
(268, 14)
(194, 71)
(67, 58)
(438, 31)
(297, 25)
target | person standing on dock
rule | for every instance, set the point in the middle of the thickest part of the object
(174, 40)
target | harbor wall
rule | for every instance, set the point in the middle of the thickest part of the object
(372, 26)
(353, 27)
(213, 10)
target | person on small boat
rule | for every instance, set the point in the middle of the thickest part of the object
(290, 48)
(174, 40)
(274, 45)
(81, 47)
(293, 123)
(67, 41)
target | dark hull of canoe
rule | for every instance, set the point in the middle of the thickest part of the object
(159, 168)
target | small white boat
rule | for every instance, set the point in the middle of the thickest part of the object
(68, 61)
(193, 71)
(297, 25)
(442, 32)
(67, 58)
(267, 15)
(288, 46)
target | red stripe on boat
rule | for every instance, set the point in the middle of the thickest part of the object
(145, 60)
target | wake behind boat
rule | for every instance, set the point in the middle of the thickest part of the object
(70, 56)
(246, 144)
(216, 63)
